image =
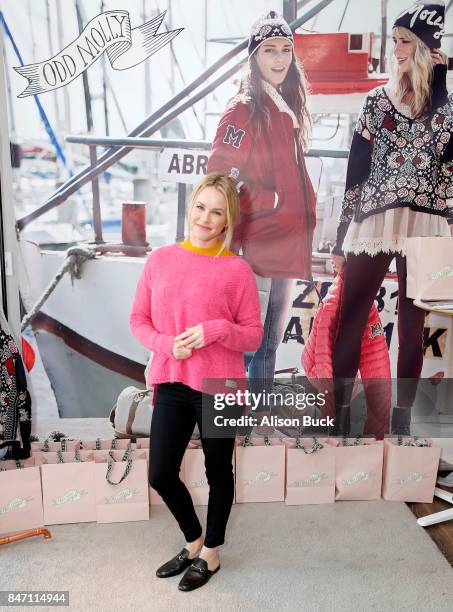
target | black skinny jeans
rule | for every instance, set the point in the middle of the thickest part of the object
(363, 275)
(177, 409)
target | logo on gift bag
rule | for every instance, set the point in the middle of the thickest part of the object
(71, 496)
(442, 273)
(358, 477)
(17, 502)
(414, 477)
(312, 480)
(121, 496)
(199, 483)
(261, 477)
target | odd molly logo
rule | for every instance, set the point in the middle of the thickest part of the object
(72, 495)
(312, 480)
(122, 496)
(414, 477)
(261, 477)
(358, 477)
(203, 482)
(108, 32)
(442, 273)
(17, 502)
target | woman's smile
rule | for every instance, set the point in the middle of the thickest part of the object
(274, 59)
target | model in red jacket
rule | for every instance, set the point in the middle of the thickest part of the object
(259, 142)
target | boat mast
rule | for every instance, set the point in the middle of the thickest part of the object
(205, 64)
(146, 69)
(384, 4)
(10, 96)
(66, 128)
(290, 10)
(86, 87)
(49, 37)
(172, 67)
(104, 87)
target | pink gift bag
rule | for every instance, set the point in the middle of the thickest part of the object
(17, 464)
(358, 469)
(154, 498)
(39, 449)
(112, 444)
(429, 268)
(195, 477)
(142, 443)
(310, 471)
(20, 496)
(122, 487)
(410, 469)
(68, 488)
(260, 470)
(103, 456)
(67, 457)
(49, 446)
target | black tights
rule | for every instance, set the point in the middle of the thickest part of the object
(177, 409)
(363, 275)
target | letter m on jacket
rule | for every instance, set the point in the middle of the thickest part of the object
(233, 136)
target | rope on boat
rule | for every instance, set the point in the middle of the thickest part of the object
(75, 258)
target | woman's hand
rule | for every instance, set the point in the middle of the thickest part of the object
(193, 337)
(180, 352)
(338, 262)
(438, 56)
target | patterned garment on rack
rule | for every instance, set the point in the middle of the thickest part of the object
(15, 402)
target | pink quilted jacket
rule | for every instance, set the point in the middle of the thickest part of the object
(374, 360)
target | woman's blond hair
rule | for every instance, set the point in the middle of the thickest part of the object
(227, 187)
(414, 87)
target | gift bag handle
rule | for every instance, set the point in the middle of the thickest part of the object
(414, 442)
(314, 447)
(247, 440)
(127, 458)
(63, 446)
(19, 466)
(355, 443)
(60, 458)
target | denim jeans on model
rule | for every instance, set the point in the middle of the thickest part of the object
(261, 364)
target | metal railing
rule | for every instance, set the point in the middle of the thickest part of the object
(154, 122)
(145, 143)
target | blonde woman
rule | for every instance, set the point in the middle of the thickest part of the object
(399, 184)
(197, 309)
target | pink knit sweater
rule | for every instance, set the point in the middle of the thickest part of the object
(180, 289)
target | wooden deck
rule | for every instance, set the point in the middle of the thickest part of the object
(441, 533)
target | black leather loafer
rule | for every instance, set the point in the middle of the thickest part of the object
(175, 566)
(196, 576)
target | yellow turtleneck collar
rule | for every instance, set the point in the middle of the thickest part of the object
(206, 250)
